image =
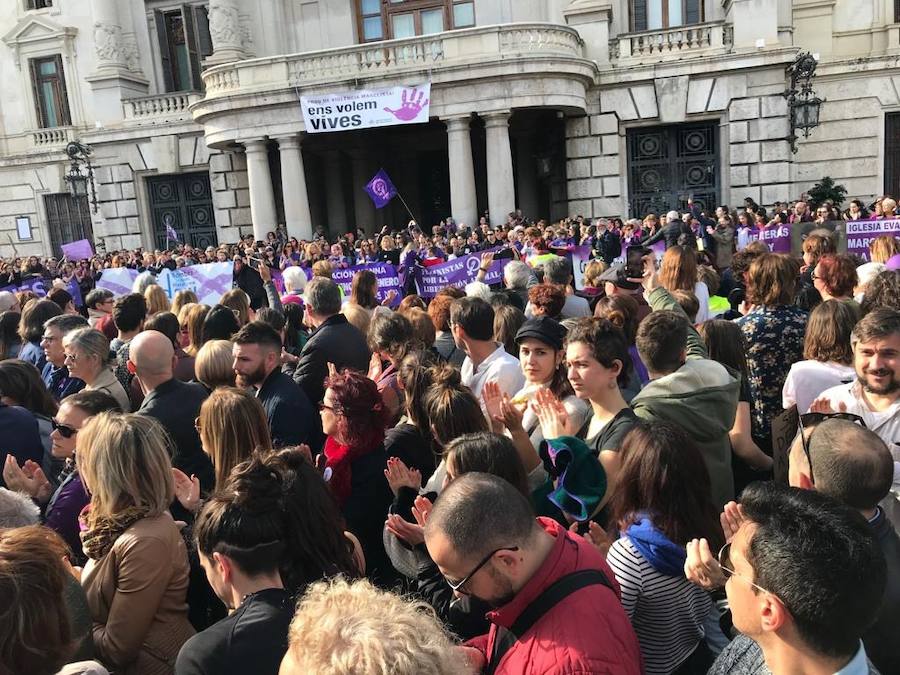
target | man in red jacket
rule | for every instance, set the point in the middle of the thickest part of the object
(557, 601)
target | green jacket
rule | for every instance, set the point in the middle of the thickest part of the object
(701, 397)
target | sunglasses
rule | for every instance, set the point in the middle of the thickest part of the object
(457, 586)
(811, 419)
(64, 430)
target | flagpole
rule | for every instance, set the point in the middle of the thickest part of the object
(406, 206)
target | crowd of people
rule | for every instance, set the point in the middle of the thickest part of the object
(686, 466)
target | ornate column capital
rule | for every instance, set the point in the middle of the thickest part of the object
(496, 118)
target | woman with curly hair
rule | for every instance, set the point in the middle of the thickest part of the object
(882, 291)
(353, 419)
(835, 278)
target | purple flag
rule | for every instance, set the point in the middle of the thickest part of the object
(380, 189)
(78, 250)
(171, 233)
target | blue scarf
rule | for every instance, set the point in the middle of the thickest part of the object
(664, 556)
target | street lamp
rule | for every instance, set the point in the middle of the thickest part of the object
(803, 104)
(80, 154)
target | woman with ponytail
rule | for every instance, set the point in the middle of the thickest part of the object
(622, 311)
(241, 539)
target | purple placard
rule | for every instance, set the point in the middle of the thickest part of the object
(40, 287)
(860, 234)
(78, 250)
(385, 273)
(778, 239)
(458, 273)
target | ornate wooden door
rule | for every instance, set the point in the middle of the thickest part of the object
(183, 201)
(669, 165)
(68, 219)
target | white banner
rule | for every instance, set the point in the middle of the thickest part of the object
(209, 281)
(366, 108)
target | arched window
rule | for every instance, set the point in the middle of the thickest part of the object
(659, 14)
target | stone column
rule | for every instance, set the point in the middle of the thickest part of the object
(334, 189)
(226, 32)
(363, 208)
(109, 47)
(262, 196)
(526, 177)
(463, 199)
(298, 219)
(501, 188)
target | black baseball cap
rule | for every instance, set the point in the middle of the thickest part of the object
(545, 329)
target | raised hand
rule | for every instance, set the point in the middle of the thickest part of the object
(823, 405)
(28, 479)
(511, 415)
(399, 475)
(389, 298)
(732, 518)
(650, 280)
(596, 535)
(551, 413)
(421, 509)
(487, 258)
(411, 104)
(264, 272)
(701, 567)
(187, 490)
(492, 396)
(411, 533)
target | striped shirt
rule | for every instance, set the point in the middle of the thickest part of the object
(667, 613)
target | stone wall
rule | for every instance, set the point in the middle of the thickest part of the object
(594, 165)
(231, 195)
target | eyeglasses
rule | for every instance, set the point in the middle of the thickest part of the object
(197, 424)
(323, 406)
(64, 430)
(811, 419)
(457, 586)
(71, 357)
(724, 559)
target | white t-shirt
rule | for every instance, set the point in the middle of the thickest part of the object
(500, 367)
(807, 379)
(702, 293)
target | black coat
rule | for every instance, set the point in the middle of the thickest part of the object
(670, 232)
(249, 281)
(176, 405)
(21, 438)
(288, 410)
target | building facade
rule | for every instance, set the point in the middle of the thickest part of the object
(557, 107)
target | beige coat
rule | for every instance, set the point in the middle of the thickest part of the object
(136, 594)
(107, 382)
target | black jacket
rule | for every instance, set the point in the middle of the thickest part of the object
(288, 410)
(176, 405)
(670, 232)
(249, 281)
(335, 341)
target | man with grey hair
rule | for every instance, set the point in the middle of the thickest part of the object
(558, 270)
(17, 510)
(518, 278)
(670, 232)
(55, 374)
(334, 340)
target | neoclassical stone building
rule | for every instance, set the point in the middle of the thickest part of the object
(598, 107)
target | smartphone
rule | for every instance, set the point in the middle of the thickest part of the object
(253, 262)
(634, 261)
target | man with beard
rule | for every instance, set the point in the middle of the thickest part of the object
(257, 364)
(875, 396)
(556, 601)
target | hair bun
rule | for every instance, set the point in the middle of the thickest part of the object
(254, 486)
(445, 375)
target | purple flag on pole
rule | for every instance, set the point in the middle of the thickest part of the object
(171, 233)
(381, 189)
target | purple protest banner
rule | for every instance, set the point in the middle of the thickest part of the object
(78, 250)
(209, 281)
(380, 189)
(385, 273)
(40, 287)
(860, 234)
(778, 239)
(458, 273)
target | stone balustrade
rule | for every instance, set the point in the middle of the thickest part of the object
(160, 108)
(394, 57)
(671, 43)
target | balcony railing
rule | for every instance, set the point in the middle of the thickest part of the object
(57, 136)
(395, 57)
(672, 43)
(160, 108)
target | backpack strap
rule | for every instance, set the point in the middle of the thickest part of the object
(543, 603)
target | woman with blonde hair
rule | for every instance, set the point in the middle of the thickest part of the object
(214, 366)
(190, 321)
(182, 298)
(232, 424)
(678, 272)
(136, 577)
(883, 248)
(87, 358)
(239, 303)
(157, 300)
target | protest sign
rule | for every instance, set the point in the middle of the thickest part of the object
(385, 273)
(860, 234)
(78, 250)
(40, 287)
(208, 281)
(458, 273)
(366, 108)
(118, 280)
(778, 239)
(581, 256)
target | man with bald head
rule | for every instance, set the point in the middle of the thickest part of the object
(173, 403)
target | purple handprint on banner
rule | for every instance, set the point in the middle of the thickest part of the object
(411, 105)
